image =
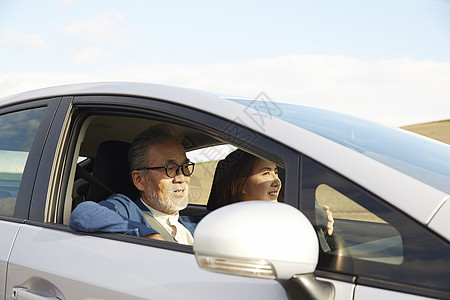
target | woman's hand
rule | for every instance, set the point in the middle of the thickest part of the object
(330, 220)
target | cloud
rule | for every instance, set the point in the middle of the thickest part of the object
(395, 92)
(93, 55)
(105, 27)
(65, 4)
(21, 40)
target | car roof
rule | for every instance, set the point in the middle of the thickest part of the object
(106, 88)
(418, 199)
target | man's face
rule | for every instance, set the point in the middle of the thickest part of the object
(163, 193)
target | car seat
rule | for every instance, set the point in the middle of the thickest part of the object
(111, 168)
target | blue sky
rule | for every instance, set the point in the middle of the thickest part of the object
(388, 61)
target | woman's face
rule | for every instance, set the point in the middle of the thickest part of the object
(263, 184)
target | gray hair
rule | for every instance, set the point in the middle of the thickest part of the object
(137, 154)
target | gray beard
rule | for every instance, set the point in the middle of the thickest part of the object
(171, 206)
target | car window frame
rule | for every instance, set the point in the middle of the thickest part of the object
(48, 160)
(27, 183)
(155, 109)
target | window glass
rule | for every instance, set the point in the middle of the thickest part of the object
(371, 239)
(361, 233)
(345, 208)
(205, 160)
(119, 132)
(17, 131)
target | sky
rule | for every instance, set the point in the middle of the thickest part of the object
(385, 60)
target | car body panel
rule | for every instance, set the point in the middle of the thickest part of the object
(343, 290)
(8, 231)
(61, 259)
(365, 293)
(441, 221)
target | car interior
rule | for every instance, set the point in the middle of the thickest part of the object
(101, 160)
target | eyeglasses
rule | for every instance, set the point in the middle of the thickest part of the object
(172, 169)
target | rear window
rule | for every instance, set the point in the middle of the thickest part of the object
(17, 132)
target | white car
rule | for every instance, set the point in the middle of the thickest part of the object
(388, 190)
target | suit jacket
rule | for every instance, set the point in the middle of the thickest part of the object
(118, 214)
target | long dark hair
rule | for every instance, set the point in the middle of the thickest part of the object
(230, 177)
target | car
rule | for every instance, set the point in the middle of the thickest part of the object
(388, 190)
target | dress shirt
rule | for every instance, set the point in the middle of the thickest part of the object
(172, 225)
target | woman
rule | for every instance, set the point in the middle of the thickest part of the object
(242, 176)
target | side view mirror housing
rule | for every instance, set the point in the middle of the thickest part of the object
(257, 239)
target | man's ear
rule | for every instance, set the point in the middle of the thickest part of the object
(138, 180)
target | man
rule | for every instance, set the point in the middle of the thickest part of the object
(161, 172)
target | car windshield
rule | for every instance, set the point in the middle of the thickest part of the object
(420, 158)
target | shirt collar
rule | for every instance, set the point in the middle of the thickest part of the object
(160, 215)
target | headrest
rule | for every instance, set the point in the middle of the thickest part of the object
(213, 202)
(111, 168)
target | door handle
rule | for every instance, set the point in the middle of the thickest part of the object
(21, 293)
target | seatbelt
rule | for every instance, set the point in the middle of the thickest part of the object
(158, 227)
(81, 172)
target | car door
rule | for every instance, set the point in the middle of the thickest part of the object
(50, 260)
(374, 245)
(22, 134)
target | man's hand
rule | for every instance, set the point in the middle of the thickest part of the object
(330, 220)
(155, 236)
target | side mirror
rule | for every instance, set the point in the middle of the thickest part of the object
(257, 239)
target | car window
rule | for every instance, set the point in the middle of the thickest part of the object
(92, 131)
(17, 132)
(205, 160)
(372, 240)
(359, 233)
(100, 162)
